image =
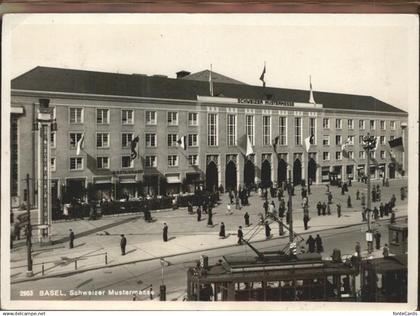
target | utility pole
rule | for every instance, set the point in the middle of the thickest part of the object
(289, 190)
(28, 231)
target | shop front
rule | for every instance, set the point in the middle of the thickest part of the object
(350, 172)
(381, 171)
(173, 185)
(360, 172)
(127, 187)
(102, 188)
(193, 182)
(325, 174)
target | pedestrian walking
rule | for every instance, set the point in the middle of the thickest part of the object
(381, 210)
(328, 209)
(305, 221)
(222, 233)
(123, 244)
(393, 199)
(311, 244)
(343, 189)
(240, 235)
(328, 188)
(210, 218)
(265, 206)
(324, 208)
(165, 232)
(349, 202)
(71, 239)
(357, 249)
(363, 199)
(357, 194)
(199, 213)
(319, 207)
(339, 209)
(190, 207)
(364, 214)
(392, 219)
(385, 251)
(267, 230)
(318, 243)
(375, 213)
(330, 198)
(377, 237)
(246, 217)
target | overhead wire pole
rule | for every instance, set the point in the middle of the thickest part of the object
(29, 272)
(289, 190)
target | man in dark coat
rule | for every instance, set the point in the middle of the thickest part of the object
(328, 209)
(376, 213)
(222, 233)
(381, 210)
(165, 232)
(324, 208)
(198, 214)
(339, 209)
(246, 217)
(319, 207)
(319, 246)
(349, 202)
(71, 239)
(210, 218)
(123, 244)
(265, 206)
(357, 194)
(305, 221)
(311, 244)
(240, 235)
(267, 230)
(190, 207)
(377, 237)
(393, 199)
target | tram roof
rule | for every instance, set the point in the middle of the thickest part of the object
(391, 263)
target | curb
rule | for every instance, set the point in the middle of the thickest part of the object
(65, 274)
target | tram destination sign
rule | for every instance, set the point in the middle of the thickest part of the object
(265, 102)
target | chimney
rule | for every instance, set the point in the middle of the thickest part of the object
(182, 74)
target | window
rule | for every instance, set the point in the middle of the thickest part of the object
(382, 140)
(361, 139)
(127, 162)
(172, 118)
(102, 116)
(192, 140)
(338, 139)
(382, 125)
(326, 155)
(193, 160)
(325, 123)
(231, 129)
(350, 124)
(372, 124)
(102, 140)
(282, 130)
(76, 115)
(192, 119)
(351, 154)
(362, 154)
(338, 155)
(312, 128)
(74, 138)
(326, 140)
(76, 163)
(127, 117)
(266, 130)
(151, 161)
(373, 154)
(250, 128)
(298, 130)
(53, 166)
(338, 124)
(172, 140)
(102, 162)
(350, 139)
(382, 154)
(150, 140)
(151, 118)
(361, 124)
(53, 139)
(126, 139)
(172, 161)
(212, 129)
(392, 125)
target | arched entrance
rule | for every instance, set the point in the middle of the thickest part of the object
(297, 172)
(212, 176)
(312, 170)
(281, 171)
(266, 174)
(230, 176)
(391, 172)
(249, 173)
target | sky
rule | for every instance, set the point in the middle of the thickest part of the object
(357, 54)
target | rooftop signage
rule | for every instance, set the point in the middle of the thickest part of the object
(265, 102)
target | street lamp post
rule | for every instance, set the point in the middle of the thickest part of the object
(290, 211)
(369, 143)
(29, 272)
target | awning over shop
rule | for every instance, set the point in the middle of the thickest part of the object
(129, 179)
(102, 180)
(173, 178)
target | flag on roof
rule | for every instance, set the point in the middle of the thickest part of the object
(211, 81)
(262, 76)
(311, 94)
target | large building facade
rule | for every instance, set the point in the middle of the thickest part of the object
(110, 110)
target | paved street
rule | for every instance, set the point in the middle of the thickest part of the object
(186, 235)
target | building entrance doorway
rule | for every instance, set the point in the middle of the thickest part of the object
(266, 174)
(230, 176)
(312, 170)
(212, 176)
(281, 171)
(391, 168)
(249, 173)
(297, 172)
(75, 189)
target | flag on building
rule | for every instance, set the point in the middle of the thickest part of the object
(80, 144)
(133, 146)
(211, 81)
(396, 144)
(262, 76)
(275, 142)
(344, 148)
(249, 150)
(308, 141)
(311, 94)
(182, 142)
(376, 143)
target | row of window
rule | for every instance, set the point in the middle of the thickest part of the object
(77, 163)
(76, 116)
(362, 155)
(127, 118)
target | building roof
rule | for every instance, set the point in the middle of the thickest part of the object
(216, 77)
(134, 85)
